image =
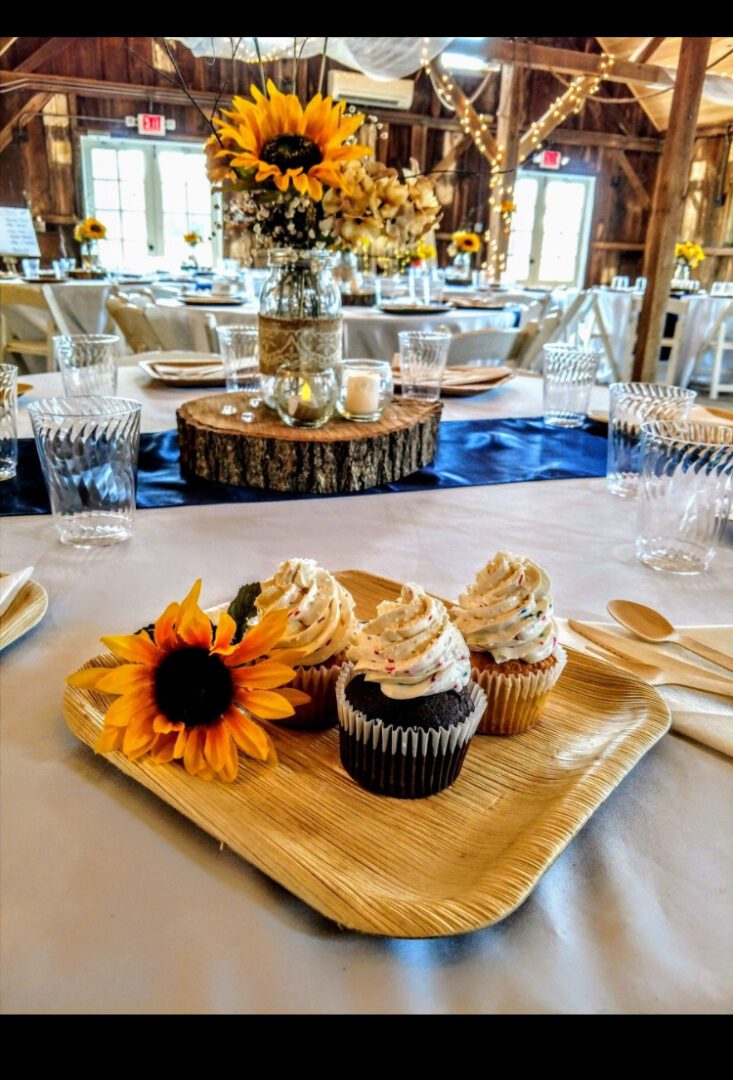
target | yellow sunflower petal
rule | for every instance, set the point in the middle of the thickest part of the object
(126, 677)
(126, 709)
(193, 625)
(295, 697)
(263, 676)
(225, 630)
(315, 189)
(218, 747)
(136, 647)
(250, 737)
(290, 657)
(193, 755)
(260, 639)
(161, 749)
(87, 678)
(109, 739)
(163, 726)
(264, 704)
(165, 627)
(139, 735)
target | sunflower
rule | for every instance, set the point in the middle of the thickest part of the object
(288, 144)
(192, 238)
(216, 170)
(184, 696)
(466, 241)
(90, 229)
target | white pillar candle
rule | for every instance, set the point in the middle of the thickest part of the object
(362, 393)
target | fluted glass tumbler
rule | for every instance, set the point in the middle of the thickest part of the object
(685, 494)
(423, 356)
(88, 363)
(570, 373)
(88, 448)
(8, 421)
(630, 405)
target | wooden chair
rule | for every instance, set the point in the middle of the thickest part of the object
(184, 328)
(132, 322)
(36, 298)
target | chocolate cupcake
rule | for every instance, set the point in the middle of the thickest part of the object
(406, 706)
(506, 619)
(321, 623)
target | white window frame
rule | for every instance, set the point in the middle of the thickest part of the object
(153, 186)
(583, 249)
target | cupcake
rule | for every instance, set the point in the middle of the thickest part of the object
(321, 623)
(407, 709)
(506, 619)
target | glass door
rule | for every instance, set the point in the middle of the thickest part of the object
(548, 244)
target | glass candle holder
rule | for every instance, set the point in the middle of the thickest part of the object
(366, 388)
(305, 398)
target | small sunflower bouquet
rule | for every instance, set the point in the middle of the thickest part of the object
(464, 242)
(193, 238)
(688, 254)
(286, 159)
(89, 229)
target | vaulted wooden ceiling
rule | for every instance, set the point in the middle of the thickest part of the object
(664, 52)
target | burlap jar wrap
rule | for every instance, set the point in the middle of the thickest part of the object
(315, 344)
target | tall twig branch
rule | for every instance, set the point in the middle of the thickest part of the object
(259, 60)
(322, 71)
(185, 89)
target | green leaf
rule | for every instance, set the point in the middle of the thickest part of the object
(242, 607)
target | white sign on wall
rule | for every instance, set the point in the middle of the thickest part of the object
(17, 235)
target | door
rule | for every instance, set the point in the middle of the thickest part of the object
(548, 243)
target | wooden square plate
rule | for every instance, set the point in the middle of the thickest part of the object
(455, 862)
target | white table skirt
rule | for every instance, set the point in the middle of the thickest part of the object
(112, 902)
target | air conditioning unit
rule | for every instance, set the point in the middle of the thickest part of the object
(358, 89)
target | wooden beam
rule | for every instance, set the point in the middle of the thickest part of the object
(548, 58)
(6, 43)
(630, 173)
(570, 137)
(451, 159)
(541, 129)
(646, 50)
(66, 84)
(615, 245)
(22, 116)
(507, 138)
(669, 193)
(44, 53)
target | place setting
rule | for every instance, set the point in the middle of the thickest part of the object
(366, 495)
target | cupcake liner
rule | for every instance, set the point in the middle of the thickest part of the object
(320, 712)
(406, 763)
(514, 703)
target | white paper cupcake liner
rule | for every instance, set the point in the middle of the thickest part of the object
(403, 762)
(320, 683)
(514, 703)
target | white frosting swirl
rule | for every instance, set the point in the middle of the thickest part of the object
(508, 611)
(411, 648)
(320, 611)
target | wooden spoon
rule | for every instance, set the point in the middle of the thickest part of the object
(651, 625)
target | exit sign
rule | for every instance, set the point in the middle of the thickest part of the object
(550, 159)
(150, 124)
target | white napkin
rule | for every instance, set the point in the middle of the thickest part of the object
(706, 718)
(10, 586)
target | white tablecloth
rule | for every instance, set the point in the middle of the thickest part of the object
(368, 332)
(112, 902)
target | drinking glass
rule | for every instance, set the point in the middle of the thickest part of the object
(685, 494)
(570, 373)
(8, 421)
(88, 363)
(621, 281)
(31, 267)
(640, 284)
(630, 404)
(240, 354)
(423, 356)
(88, 448)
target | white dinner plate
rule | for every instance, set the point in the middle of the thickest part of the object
(414, 309)
(210, 300)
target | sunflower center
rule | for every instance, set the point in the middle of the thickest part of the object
(193, 687)
(291, 152)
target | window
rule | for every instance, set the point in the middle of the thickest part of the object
(548, 244)
(148, 194)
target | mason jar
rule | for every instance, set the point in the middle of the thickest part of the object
(300, 315)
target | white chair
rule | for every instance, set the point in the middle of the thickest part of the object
(673, 341)
(183, 328)
(723, 335)
(488, 345)
(131, 320)
(32, 299)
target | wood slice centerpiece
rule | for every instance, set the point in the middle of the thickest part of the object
(340, 457)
